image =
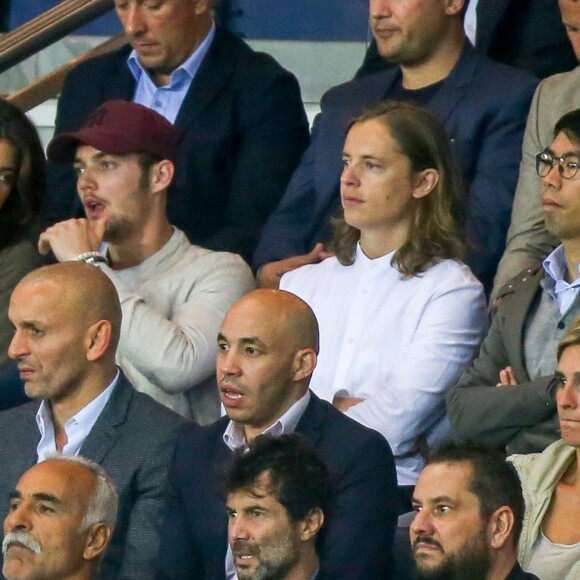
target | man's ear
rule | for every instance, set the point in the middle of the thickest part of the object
(304, 364)
(311, 524)
(98, 339)
(500, 527)
(98, 537)
(425, 182)
(453, 7)
(161, 175)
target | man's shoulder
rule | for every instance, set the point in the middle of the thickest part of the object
(524, 281)
(20, 416)
(104, 63)
(338, 434)
(245, 61)
(561, 90)
(147, 414)
(491, 82)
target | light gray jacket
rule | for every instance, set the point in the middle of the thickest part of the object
(539, 474)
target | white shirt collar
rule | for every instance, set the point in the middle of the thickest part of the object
(234, 436)
(76, 428)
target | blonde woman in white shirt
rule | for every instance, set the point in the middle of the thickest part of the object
(399, 315)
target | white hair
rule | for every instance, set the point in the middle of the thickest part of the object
(103, 505)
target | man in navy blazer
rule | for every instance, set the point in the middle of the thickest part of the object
(483, 106)
(267, 352)
(67, 321)
(244, 121)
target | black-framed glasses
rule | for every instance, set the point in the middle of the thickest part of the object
(568, 164)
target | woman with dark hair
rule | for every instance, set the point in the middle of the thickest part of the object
(22, 182)
(399, 315)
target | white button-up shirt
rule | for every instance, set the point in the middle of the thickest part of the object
(397, 343)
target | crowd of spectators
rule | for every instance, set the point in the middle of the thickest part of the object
(399, 398)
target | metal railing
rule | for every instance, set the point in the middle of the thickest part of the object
(43, 31)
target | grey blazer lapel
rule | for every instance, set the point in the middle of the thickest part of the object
(105, 433)
(515, 320)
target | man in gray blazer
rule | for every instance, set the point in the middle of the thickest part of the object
(504, 397)
(528, 240)
(67, 321)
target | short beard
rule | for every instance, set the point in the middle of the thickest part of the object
(473, 561)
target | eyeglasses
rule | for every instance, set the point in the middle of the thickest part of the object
(568, 164)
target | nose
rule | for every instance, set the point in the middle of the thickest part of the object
(379, 8)
(422, 524)
(18, 518)
(237, 529)
(553, 179)
(132, 19)
(228, 363)
(18, 347)
(567, 397)
(349, 176)
(85, 181)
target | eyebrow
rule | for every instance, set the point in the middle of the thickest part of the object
(246, 340)
(40, 496)
(565, 154)
(96, 156)
(438, 499)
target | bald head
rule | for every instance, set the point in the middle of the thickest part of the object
(85, 291)
(287, 315)
(266, 356)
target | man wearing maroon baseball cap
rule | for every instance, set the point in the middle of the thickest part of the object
(174, 295)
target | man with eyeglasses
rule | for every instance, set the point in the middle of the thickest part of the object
(502, 398)
(528, 240)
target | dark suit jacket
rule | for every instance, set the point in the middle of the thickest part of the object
(245, 131)
(483, 106)
(132, 439)
(356, 541)
(526, 34)
(521, 418)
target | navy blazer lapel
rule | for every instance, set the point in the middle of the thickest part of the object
(313, 420)
(454, 87)
(213, 74)
(121, 84)
(104, 433)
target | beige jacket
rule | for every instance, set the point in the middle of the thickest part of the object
(539, 474)
(528, 242)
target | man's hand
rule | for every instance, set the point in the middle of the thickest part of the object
(269, 274)
(345, 403)
(507, 378)
(70, 238)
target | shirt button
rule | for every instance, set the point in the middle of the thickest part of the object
(561, 325)
(157, 104)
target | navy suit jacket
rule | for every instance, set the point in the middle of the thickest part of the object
(132, 439)
(245, 130)
(356, 540)
(526, 34)
(483, 106)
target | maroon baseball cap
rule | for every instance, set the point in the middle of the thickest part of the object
(119, 128)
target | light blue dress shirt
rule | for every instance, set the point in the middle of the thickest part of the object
(167, 100)
(555, 283)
